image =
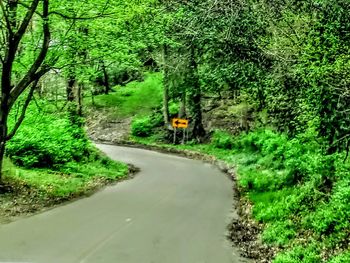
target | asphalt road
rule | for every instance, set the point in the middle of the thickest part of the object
(175, 211)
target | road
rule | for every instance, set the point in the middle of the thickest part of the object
(174, 211)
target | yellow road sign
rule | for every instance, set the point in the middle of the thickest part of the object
(180, 123)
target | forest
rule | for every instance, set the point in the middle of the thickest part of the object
(264, 84)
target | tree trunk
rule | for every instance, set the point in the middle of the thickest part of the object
(166, 104)
(2, 154)
(198, 131)
(105, 78)
(182, 110)
(70, 88)
(166, 87)
(80, 89)
(195, 93)
(3, 136)
(72, 99)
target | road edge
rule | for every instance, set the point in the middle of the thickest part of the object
(244, 232)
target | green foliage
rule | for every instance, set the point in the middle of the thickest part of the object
(72, 179)
(62, 160)
(271, 206)
(300, 254)
(47, 140)
(222, 140)
(279, 233)
(142, 127)
(341, 258)
(331, 218)
(173, 109)
(289, 188)
(136, 98)
(262, 180)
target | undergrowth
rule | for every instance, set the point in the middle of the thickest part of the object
(50, 154)
(136, 98)
(299, 194)
(304, 207)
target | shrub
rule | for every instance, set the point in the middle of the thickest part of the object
(142, 127)
(300, 254)
(341, 258)
(332, 218)
(287, 183)
(252, 178)
(275, 205)
(222, 140)
(173, 109)
(47, 140)
(145, 126)
(279, 233)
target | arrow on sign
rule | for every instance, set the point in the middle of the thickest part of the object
(180, 123)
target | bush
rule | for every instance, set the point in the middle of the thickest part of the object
(173, 109)
(332, 218)
(342, 258)
(252, 178)
(145, 126)
(300, 254)
(47, 140)
(274, 206)
(287, 182)
(142, 127)
(279, 233)
(222, 140)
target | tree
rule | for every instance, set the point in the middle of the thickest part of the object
(16, 17)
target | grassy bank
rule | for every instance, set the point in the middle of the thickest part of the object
(287, 182)
(49, 161)
(134, 99)
(300, 196)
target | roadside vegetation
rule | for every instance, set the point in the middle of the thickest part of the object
(264, 84)
(50, 161)
(285, 180)
(139, 98)
(53, 56)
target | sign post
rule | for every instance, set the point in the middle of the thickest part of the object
(180, 124)
(174, 140)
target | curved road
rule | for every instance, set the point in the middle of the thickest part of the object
(175, 211)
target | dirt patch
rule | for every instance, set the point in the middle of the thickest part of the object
(245, 234)
(100, 127)
(18, 199)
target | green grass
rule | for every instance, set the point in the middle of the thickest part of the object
(74, 179)
(134, 99)
(53, 156)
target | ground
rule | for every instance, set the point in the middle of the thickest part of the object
(101, 128)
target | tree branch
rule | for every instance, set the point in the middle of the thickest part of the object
(68, 17)
(81, 17)
(24, 25)
(7, 20)
(32, 74)
(23, 113)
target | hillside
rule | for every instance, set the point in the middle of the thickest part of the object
(286, 206)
